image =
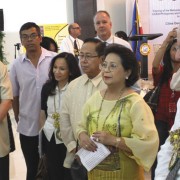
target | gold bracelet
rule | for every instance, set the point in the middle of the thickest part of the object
(118, 140)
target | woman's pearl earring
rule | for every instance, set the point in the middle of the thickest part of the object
(127, 77)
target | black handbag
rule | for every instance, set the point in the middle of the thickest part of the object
(11, 135)
(152, 98)
(78, 171)
(42, 172)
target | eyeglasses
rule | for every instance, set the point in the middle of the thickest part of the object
(86, 57)
(26, 37)
(111, 67)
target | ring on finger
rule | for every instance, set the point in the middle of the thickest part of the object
(97, 139)
(86, 146)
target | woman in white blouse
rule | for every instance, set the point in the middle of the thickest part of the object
(63, 69)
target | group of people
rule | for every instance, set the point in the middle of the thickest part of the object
(52, 97)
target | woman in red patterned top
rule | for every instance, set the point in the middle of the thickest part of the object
(163, 67)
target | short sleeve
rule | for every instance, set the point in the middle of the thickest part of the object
(5, 84)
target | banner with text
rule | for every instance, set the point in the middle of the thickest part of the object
(164, 15)
(56, 31)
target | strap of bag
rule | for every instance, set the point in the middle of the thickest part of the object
(40, 143)
(156, 90)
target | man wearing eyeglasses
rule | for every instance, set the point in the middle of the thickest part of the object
(71, 43)
(78, 91)
(28, 73)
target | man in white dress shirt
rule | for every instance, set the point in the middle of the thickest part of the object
(103, 26)
(67, 44)
(166, 151)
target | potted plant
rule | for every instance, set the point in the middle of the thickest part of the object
(2, 57)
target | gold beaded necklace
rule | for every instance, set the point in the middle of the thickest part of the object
(121, 92)
(56, 117)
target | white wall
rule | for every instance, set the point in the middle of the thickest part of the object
(59, 11)
(70, 12)
(19, 12)
(117, 11)
(41, 12)
(50, 12)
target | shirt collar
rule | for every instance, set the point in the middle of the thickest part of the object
(96, 80)
(63, 89)
(71, 38)
(45, 53)
(109, 41)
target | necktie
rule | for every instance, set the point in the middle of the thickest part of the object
(76, 51)
(172, 174)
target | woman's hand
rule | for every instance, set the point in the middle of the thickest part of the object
(160, 53)
(104, 138)
(86, 142)
(171, 35)
(110, 140)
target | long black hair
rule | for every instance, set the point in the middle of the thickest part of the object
(73, 69)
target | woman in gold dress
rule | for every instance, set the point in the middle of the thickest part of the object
(120, 119)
